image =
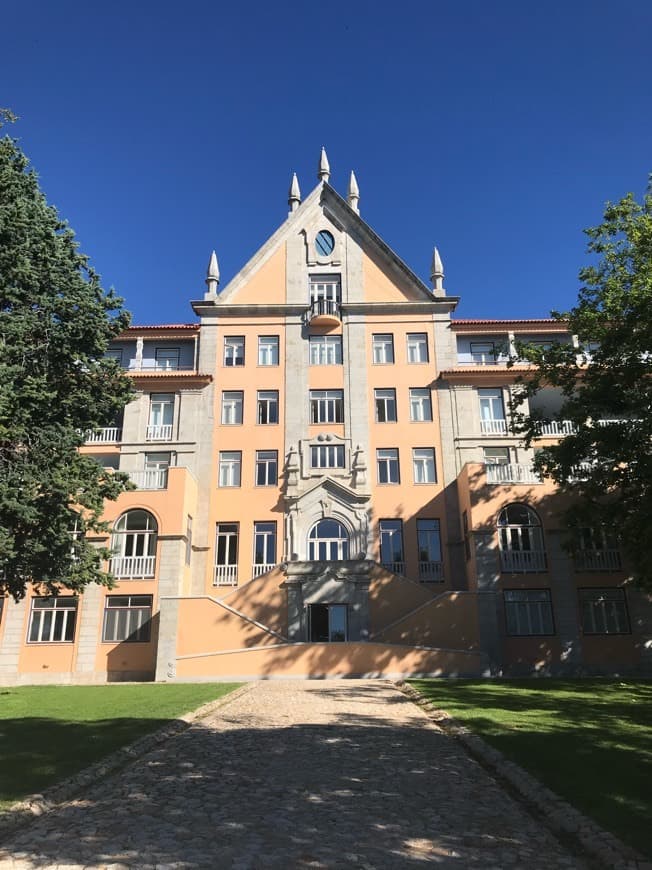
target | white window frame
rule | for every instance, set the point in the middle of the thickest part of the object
(268, 350)
(604, 611)
(132, 622)
(392, 549)
(327, 456)
(161, 416)
(226, 571)
(388, 466)
(521, 544)
(134, 549)
(230, 468)
(382, 348)
(483, 352)
(267, 460)
(264, 544)
(429, 550)
(326, 406)
(267, 407)
(232, 402)
(420, 405)
(167, 359)
(50, 624)
(492, 411)
(327, 287)
(385, 405)
(528, 613)
(417, 348)
(234, 350)
(424, 467)
(325, 350)
(329, 549)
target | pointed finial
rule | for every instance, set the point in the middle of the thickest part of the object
(324, 171)
(212, 275)
(353, 195)
(437, 272)
(294, 196)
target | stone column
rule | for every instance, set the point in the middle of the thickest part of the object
(166, 654)
(12, 639)
(89, 634)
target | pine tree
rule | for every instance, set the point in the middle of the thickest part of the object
(55, 324)
(606, 384)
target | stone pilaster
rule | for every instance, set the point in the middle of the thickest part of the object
(89, 631)
(564, 601)
(12, 639)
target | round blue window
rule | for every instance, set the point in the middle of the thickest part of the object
(324, 243)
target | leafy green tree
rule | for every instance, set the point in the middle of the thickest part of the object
(605, 379)
(55, 324)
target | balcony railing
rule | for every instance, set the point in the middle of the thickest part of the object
(395, 567)
(261, 568)
(493, 427)
(106, 435)
(431, 572)
(597, 560)
(159, 433)
(132, 567)
(325, 310)
(511, 473)
(150, 478)
(523, 561)
(558, 428)
(226, 575)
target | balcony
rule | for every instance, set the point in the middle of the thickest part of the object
(107, 435)
(159, 433)
(523, 561)
(394, 567)
(597, 560)
(132, 567)
(261, 568)
(150, 478)
(557, 428)
(493, 427)
(226, 575)
(431, 572)
(325, 312)
(512, 473)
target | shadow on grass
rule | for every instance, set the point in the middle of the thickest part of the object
(589, 741)
(353, 791)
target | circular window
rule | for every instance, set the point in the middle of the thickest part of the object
(324, 243)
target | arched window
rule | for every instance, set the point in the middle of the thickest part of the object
(134, 545)
(521, 539)
(328, 541)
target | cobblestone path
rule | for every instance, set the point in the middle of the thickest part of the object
(315, 774)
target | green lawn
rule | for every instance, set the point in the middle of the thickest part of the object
(48, 733)
(588, 740)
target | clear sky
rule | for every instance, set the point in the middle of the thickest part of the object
(495, 130)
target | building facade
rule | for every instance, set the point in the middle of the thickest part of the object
(327, 484)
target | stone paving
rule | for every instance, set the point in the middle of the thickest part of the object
(302, 774)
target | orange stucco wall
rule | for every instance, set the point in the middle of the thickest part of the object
(450, 621)
(267, 283)
(205, 626)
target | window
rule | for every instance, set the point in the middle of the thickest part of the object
(188, 540)
(328, 623)
(267, 407)
(496, 455)
(420, 405)
(52, 620)
(417, 347)
(266, 467)
(483, 352)
(492, 412)
(133, 545)
(325, 287)
(234, 349)
(155, 475)
(328, 542)
(232, 407)
(115, 353)
(161, 416)
(226, 554)
(167, 358)
(423, 465)
(127, 618)
(268, 350)
(383, 348)
(325, 350)
(596, 550)
(520, 539)
(264, 547)
(324, 243)
(391, 546)
(327, 456)
(429, 546)
(385, 405)
(604, 611)
(230, 464)
(387, 464)
(528, 612)
(326, 406)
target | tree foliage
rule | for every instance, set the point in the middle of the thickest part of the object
(55, 324)
(605, 379)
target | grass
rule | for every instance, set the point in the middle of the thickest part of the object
(589, 741)
(48, 733)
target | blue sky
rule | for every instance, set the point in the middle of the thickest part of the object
(495, 130)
